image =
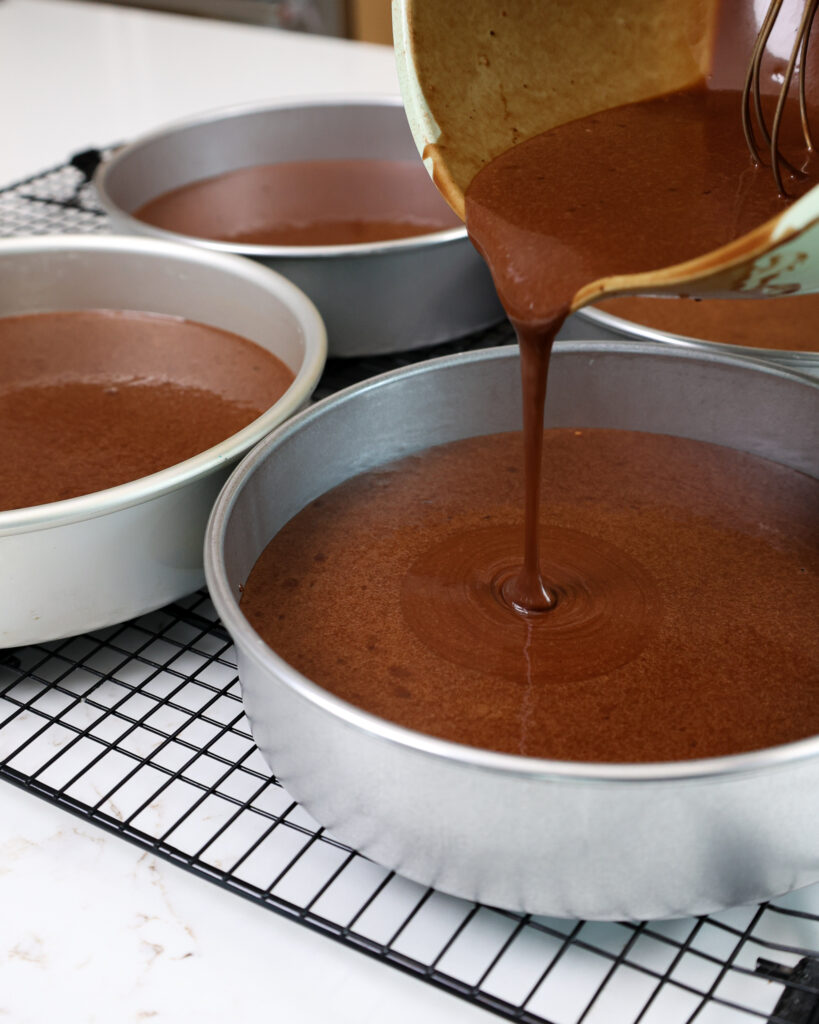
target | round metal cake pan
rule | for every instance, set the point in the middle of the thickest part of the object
(599, 324)
(90, 561)
(604, 841)
(378, 297)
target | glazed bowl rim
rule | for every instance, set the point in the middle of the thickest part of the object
(352, 250)
(146, 488)
(248, 641)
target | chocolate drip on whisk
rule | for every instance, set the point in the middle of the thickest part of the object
(751, 91)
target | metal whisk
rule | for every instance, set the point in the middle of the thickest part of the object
(751, 90)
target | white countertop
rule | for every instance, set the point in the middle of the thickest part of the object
(77, 75)
(93, 929)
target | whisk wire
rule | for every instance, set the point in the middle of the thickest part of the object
(803, 63)
(773, 14)
(752, 93)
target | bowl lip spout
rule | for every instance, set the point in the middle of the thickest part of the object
(249, 644)
(358, 250)
(147, 488)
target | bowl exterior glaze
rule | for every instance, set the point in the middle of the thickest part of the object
(568, 839)
(374, 298)
(91, 561)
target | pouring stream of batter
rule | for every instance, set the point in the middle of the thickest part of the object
(626, 190)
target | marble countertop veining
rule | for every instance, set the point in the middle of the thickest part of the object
(94, 930)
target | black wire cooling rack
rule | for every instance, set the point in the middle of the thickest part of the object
(139, 729)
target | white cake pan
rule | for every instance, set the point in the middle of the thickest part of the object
(374, 298)
(90, 561)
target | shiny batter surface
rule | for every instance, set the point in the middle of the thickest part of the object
(646, 598)
(95, 398)
(687, 583)
(790, 323)
(631, 189)
(307, 202)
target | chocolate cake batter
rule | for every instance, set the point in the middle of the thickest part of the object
(790, 323)
(95, 398)
(677, 564)
(314, 202)
(675, 182)
(667, 599)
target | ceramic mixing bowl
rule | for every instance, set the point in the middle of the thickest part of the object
(478, 78)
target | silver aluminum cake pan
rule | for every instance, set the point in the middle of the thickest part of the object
(599, 324)
(568, 839)
(90, 561)
(375, 298)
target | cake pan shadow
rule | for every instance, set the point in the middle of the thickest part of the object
(601, 841)
(101, 558)
(374, 297)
